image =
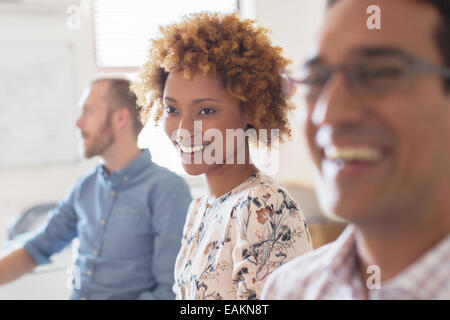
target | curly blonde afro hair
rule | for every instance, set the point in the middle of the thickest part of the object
(239, 52)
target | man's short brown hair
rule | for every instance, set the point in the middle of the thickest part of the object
(120, 96)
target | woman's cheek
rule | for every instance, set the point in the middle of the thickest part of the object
(169, 127)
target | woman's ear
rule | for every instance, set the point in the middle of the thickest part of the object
(247, 118)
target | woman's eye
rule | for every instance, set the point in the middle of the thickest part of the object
(206, 111)
(169, 109)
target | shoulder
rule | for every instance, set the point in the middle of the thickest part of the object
(162, 180)
(291, 280)
(193, 209)
(265, 193)
(161, 174)
(167, 189)
(195, 204)
(267, 187)
(88, 178)
(265, 209)
(83, 185)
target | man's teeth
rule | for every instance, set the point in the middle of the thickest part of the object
(352, 153)
(192, 149)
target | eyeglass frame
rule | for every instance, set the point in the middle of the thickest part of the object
(350, 71)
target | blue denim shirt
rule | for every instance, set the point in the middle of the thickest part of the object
(129, 224)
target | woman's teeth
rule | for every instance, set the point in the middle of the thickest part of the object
(186, 149)
(349, 154)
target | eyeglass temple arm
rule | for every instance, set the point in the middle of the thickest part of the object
(444, 72)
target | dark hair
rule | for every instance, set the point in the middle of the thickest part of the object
(120, 96)
(442, 32)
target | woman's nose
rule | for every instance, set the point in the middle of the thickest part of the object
(188, 130)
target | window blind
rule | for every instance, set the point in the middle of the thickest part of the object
(123, 28)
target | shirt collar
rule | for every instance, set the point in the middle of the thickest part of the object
(133, 168)
(343, 259)
(427, 276)
(424, 279)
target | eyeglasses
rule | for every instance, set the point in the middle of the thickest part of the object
(368, 77)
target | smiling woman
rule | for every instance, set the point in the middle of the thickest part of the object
(211, 79)
(241, 55)
(201, 106)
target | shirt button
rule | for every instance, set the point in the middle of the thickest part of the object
(112, 193)
(89, 273)
(95, 252)
(102, 222)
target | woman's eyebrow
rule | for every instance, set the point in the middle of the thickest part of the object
(200, 100)
(170, 99)
(205, 100)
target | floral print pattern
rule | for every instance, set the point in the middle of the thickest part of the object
(231, 244)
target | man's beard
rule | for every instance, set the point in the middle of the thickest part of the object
(101, 140)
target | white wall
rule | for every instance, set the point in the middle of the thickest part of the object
(43, 22)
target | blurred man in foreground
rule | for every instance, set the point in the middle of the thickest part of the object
(378, 128)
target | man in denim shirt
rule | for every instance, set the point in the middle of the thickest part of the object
(128, 213)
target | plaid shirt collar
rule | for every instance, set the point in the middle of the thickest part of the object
(427, 278)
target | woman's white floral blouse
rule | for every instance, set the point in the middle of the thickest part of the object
(230, 245)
